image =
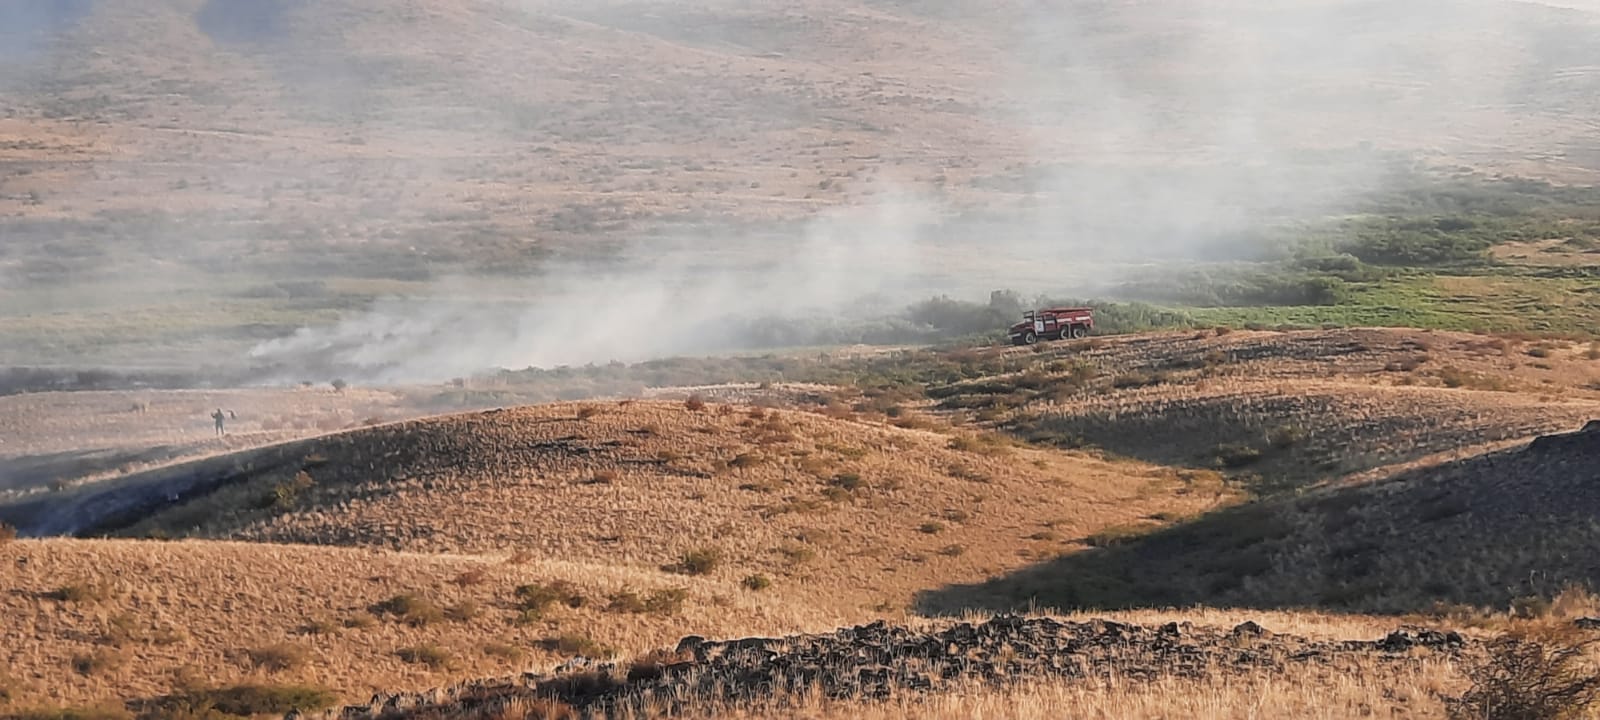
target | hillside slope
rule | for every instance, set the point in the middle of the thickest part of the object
(1493, 531)
(845, 514)
(112, 620)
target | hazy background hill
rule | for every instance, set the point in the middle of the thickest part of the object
(184, 180)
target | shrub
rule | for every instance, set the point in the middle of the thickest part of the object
(695, 403)
(931, 528)
(277, 658)
(661, 602)
(1284, 437)
(360, 621)
(849, 481)
(287, 493)
(99, 661)
(78, 593)
(1233, 455)
(575, 644)
(7, 533)
(699, 562)
(410, 609)
(605, 477)
(756, 582)
(502, 651)
(587, 411)
(652, 665)
(250, 700)
(952, 550)
(433, 656)
(1528, 677)
(535, 599)
(339, 385)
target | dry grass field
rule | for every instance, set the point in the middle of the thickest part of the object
(840, 514)
(413, 554)
(93, 621)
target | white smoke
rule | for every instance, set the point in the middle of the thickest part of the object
(659, 300)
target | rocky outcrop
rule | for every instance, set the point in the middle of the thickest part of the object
(880, 660)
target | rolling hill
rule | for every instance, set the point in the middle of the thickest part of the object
(1500, 530)
(407, 555)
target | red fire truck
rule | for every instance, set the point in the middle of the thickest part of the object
(1052, 324)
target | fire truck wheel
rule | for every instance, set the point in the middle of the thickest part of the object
(1079, 331)
(1030, 338)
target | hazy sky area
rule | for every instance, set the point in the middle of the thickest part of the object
(720, 161)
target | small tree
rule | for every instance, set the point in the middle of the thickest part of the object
(339, 384)
(1527, 676)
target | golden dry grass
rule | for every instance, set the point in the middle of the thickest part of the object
(831, 510)
(203, 608)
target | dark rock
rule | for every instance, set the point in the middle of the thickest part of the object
(1249, 628)
(878, 661)
(1588, 623)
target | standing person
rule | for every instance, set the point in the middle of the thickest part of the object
(218, 416)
